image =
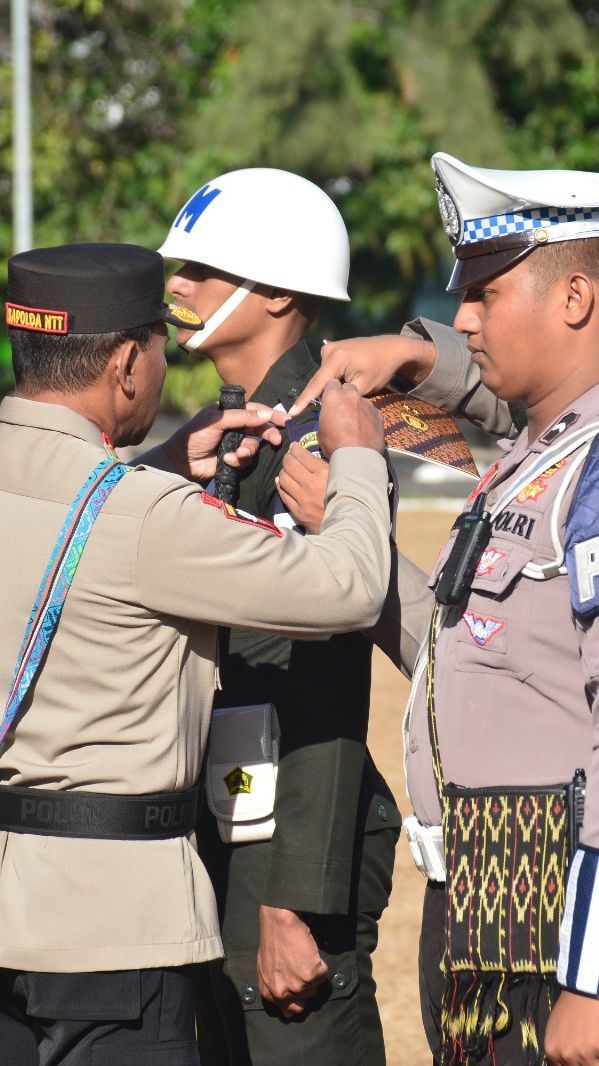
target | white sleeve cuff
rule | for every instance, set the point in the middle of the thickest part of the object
(578, 965)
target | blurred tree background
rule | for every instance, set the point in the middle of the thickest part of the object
(135, 107)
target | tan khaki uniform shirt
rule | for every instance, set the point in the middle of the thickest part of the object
(123, 700)
(515, 673)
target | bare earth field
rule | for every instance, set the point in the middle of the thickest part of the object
(420, 534)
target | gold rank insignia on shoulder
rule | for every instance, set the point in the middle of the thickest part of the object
(238, 782)
(185, 315)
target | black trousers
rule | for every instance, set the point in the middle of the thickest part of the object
(125, 1018)
(508, 1048)
(341, 1024)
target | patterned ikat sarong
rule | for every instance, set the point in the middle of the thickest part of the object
(506, 854)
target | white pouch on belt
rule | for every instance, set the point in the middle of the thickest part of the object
(241, 771)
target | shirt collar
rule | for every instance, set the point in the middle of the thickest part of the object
(584, 409)
(291, 371)
(17, 411)
(577, 414)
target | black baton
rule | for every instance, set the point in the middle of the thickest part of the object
(226, 479)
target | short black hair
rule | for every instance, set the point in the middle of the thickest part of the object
(69, 362)
(552, 261)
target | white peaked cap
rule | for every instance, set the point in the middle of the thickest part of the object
(496, 217)
(267, 226)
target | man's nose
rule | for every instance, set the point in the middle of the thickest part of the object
(175, 285)
(466, 319)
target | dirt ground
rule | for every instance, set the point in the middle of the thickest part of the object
(395, 962)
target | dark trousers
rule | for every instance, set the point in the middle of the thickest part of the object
(508, 1047)
(341, 1024)
(125, 1018)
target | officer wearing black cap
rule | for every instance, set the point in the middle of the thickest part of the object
(111, 287)
(114, 583)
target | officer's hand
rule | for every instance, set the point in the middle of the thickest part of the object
(192, 449)
(348, 421)
(572, 1036)
(302, 485)
(369, 363)
(290, 968)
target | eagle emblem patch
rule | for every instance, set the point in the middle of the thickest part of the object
(482, 630)
(488, 561)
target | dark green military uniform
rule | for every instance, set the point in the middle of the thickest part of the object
(337, 824)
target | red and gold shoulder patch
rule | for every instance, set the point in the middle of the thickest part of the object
(39, 319)
(484, 483)
(539, 485)
(236, 515)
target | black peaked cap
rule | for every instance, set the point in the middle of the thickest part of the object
(87, 288)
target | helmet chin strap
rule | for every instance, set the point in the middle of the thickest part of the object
(231, 303)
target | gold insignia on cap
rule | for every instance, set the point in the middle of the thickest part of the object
(541, 236)
(185, 315)
(238, 782)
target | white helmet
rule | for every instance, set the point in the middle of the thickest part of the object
(265, 226)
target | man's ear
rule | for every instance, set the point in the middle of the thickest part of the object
(580, 299)
(124, 362)
(278, 302)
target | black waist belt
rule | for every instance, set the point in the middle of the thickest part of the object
(97, 815)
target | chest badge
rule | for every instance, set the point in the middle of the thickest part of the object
(238, 782)
(537, 487)
(482, 630)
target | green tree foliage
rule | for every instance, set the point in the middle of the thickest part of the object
(135, 107)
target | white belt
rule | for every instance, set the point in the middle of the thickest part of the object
(426, 844)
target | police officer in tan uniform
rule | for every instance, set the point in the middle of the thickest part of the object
(114, 582)
(504, 706)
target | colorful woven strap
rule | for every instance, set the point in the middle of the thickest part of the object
(437, 618)
(58, 578)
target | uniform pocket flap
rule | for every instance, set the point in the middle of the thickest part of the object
(174, 1053)
(342, 980)
(240, 968)
(110, 997)
(499, 566)
(244, 734)
(382, 813)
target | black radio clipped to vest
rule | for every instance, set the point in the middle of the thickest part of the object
(474, 533)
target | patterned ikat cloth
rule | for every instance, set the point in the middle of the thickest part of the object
(416, 428)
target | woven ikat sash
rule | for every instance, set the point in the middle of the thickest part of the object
(506, 852)
(57, 579)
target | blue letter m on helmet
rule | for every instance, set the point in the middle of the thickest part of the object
(190, 214)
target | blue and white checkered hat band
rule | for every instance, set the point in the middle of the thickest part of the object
(484, 229)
